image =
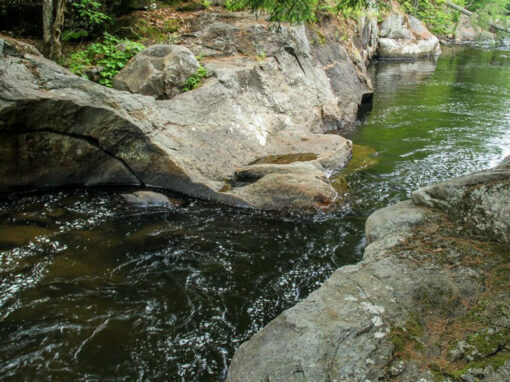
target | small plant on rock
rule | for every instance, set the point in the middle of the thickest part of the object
(196, 79)
(110, 56)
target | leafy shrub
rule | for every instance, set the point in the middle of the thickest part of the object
(434, 13)
(297, 11)
(89, 10)
(111, 55)
(90, 17)
(196, 79)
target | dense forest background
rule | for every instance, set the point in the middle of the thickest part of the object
(107, 34)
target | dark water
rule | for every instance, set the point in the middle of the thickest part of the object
(93, 289)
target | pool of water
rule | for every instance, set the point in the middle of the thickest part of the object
(95, 289)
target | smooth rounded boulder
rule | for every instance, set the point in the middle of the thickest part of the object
(161, 71)
(405, 37)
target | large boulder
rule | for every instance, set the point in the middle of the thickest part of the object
(405, 37)
(275, 100)
(432, 283)
(160, 71)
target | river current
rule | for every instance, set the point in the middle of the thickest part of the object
(95, 289)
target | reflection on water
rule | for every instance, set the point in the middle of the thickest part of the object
(93, 288)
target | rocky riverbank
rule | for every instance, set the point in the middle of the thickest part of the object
(429, 302)
(252, 135)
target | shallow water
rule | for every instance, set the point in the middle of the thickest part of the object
(95, 289)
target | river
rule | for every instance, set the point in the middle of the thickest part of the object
(95, 289)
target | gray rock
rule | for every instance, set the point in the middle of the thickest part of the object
(395, 219)
(147, 199)
(397, 368)
(403, 36)
(394, 27)
(160, 71)
(249, 109)
(369, 36)
(479, 200)
(344, 331)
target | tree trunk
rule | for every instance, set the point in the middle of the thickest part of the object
(53, 15)
(47, 16)
(56, 30)
(471, 14)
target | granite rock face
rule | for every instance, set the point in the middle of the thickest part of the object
(426, 285)
(405, 37)
(275, 99)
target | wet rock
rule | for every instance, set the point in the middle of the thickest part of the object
(147, 199)
(160, 71)
(404, 36)
(18, 235)
(289, 192)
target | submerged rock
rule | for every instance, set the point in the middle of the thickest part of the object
(147, 199)
(404, 36)
(426, 285)
(277, 99)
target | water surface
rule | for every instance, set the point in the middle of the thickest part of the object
(94, 289)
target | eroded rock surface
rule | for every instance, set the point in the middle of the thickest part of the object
(404, 36)
(270, 93)
(430, 300)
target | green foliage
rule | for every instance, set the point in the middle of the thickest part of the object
(438, 18)
(165, 33)
(196, 79)
(74, 35)
(281, 10)
(111, 55)
(491, 11)
(297, 11)
(91, 17)
(89, 10)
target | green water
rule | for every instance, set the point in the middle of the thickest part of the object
(94, 289)
(434, 121)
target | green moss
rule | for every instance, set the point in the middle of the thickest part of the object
(321, 38)
(407, 337)
(171, 25)
(398, 339)
(191, 6)
(496, 361)
(487, 343)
